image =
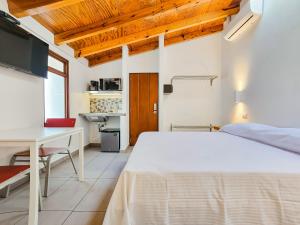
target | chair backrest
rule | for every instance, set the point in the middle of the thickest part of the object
(60, 122)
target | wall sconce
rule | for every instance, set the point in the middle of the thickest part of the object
(239, 96)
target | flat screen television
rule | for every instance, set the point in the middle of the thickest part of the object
(21, 50)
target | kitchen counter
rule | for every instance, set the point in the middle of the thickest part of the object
(100, 117)
(103, 114)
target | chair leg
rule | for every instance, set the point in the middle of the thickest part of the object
(72, 161)
(40, 199)
(48, 165)
(44, 163)
(12, 161)
(5, 192)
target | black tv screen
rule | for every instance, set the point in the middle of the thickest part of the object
(22, 50)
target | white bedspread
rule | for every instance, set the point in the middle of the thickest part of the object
(206, 179)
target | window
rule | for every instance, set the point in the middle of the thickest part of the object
(56, 87)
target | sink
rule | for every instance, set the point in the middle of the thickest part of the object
(99, 117)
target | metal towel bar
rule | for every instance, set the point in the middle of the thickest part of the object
(210, 78)
(193, 127)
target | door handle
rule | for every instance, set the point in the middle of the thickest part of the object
(155, 108)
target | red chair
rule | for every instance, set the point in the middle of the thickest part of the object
(10, 174)
(46, 153)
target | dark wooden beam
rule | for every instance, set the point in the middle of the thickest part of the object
(123, 20)
(22, 8)
(156, 31)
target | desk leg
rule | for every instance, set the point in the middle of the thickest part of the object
(81, 156)
(34, 185)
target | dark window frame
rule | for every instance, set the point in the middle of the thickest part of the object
(65, 75)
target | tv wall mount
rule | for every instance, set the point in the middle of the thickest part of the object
(9, 18)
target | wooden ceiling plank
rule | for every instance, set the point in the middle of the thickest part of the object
(192, 35)
(21, 8)
(104, 59)
(123, 20)
(155, 31)
(154, 44)
(144, 48)
(176, 39)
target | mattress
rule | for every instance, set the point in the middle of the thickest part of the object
(206, 179)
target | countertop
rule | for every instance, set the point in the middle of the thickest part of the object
(100, 117)
(103, 114)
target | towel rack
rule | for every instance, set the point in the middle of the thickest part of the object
(168, 88)
(210, 78)
(193, 127)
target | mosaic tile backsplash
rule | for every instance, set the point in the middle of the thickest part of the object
(105, 105)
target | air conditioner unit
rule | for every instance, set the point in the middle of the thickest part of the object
(249, 14)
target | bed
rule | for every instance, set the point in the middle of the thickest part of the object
(206, 179)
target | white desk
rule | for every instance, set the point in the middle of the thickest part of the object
(34, 138)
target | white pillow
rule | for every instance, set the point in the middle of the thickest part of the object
(284, 138)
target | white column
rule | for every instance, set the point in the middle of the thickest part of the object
(124, 121)
(161, 81)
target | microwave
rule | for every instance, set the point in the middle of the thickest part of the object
(110, 84)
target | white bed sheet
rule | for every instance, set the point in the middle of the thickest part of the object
(206, 179)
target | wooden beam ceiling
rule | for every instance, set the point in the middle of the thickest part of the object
(22, 8)
(123, 20)
(108, 24)
(108, 56)
(175, 39)
(191, 35)
(155, 31)
(152, 44)
(138, 48)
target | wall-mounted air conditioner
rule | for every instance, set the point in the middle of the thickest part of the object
(249, 14)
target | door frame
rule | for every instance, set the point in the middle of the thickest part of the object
(158, 98)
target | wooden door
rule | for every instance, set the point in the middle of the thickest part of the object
(143, 97)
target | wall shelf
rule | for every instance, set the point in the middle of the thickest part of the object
(168, 88)
(104, 92)
(195, 127)
(210, 78)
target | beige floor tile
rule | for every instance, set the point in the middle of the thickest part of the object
(54, 184)
(17, 201)
(68, 195)
(129, 149)
(48, 218)
(115, 168)
(123, 155)
(63, 170)
(89, 155)
(98, 197)
(11, 218)
(97, 166)
(85, 218)
(88, 199)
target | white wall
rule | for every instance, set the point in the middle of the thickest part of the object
(22, 95)
(193, 102)
(145, 62)
(265, 64)
(111, 69)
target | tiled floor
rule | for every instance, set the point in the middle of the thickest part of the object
(70, 202)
